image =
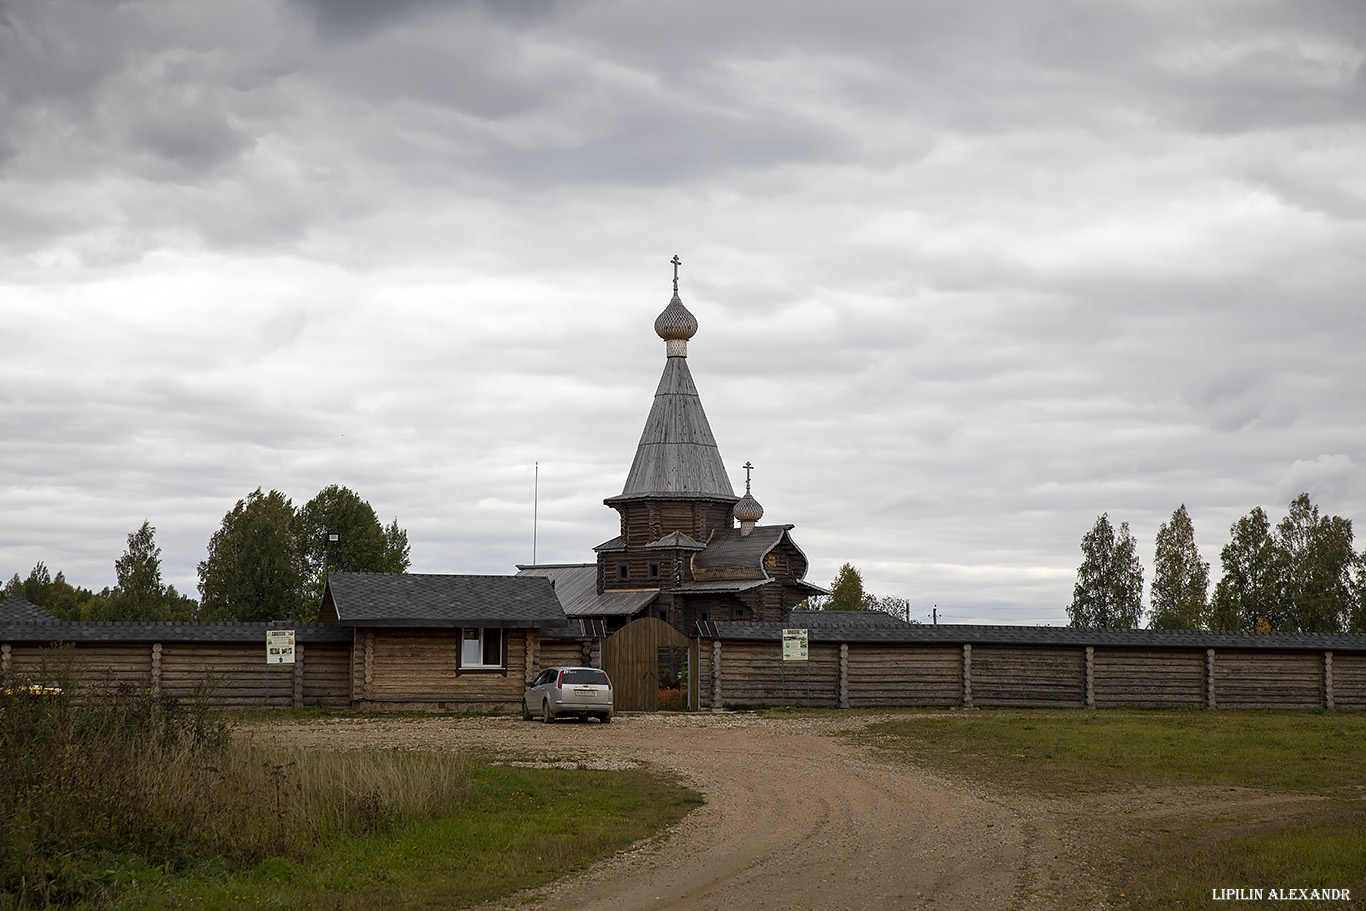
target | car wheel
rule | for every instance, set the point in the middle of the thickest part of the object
(607, 719)
(546, 715)
(526, 712)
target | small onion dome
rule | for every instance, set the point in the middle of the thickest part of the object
(676, 325)
(747, 512)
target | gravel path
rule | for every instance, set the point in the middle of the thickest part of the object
(795, 817)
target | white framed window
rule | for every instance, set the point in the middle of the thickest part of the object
(481, 647)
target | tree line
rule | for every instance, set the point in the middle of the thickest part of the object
(1301, 576)
(266, 561)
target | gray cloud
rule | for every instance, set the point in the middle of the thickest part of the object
(966, 279)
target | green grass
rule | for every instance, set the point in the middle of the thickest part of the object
(518, 828)
(120, 799)
(1313, 835)
(1059, 753)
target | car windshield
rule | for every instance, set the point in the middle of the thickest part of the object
(584, 675)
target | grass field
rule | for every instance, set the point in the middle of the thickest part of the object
(1281, 795)
(127, 801)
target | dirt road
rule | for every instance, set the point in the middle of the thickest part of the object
(795, 817)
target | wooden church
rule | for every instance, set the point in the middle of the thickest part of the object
(689, 550)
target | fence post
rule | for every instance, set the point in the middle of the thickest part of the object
(716, 704)
(967, 676)
(369, 689)
(1328, 680)
(4, 658)
(1090, 677)
(298, 676)
(532, 665)
(1209, 678)
(844, 676)
(156, 670)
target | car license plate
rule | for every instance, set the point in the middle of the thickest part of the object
(584, 691)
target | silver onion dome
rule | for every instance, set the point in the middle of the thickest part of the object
(747, 509)
(676, 325)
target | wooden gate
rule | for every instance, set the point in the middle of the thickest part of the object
(631, 658)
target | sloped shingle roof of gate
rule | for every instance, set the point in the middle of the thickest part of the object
(422, 599)
(954, 634)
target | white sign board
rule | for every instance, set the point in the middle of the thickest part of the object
(794, 645)
(279, 646)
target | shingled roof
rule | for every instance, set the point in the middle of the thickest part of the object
(420, 599)
(19, 609)
(826, 629)
(168, 631)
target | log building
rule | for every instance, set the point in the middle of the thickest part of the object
(689, 550)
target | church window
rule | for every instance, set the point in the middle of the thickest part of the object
(654, 570)
(623, 572)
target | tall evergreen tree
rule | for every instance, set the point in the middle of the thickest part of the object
(1109, 588)
(1180, 596)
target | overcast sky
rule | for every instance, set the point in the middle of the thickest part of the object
(968, 275)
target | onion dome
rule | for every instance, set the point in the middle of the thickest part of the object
(676, 325)
(747, 510)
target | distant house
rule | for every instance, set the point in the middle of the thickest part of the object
(441, 641)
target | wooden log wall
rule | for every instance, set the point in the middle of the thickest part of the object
(564, 653)
(419, 667)
(1259, 679)
(225, 675)
(904, 675)
(91, 668)
(728, 673)
(753, 673)
(1043, 677)
(1349, 681)
(1146, 678)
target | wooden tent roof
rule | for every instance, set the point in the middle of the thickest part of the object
(677, 455)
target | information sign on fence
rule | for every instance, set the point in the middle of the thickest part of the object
(794, 645)
(279, 646)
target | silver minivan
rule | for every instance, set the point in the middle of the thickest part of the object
(559, 691)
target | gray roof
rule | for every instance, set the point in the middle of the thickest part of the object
(677, 454)
(577, 628)
(953, 634)
(676, 540)
(419, 599)
(17, 608)
(847, 619)
(169, 631)
(616, 544)
(576, 585)
(731, 555)
(733, 585)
